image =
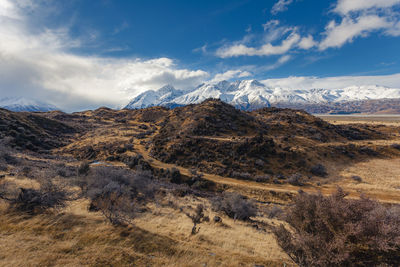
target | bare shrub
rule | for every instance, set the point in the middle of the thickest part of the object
(65, 171)
(84, 168)
(234, 206)
(197, 217)
(274, 212)
(356, 178)
(7, 157)
(3, 167)
(319, 170)
(335, 231)
(396, 146)
(296, 179)
(175, 176)
(263, 178)
(33, 201)
(117, 193)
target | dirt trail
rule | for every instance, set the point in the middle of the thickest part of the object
(389, 197)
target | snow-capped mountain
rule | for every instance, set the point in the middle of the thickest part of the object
(161, 97)
(252, 94)
(25, 104)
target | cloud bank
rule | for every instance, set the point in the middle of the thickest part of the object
(38, 63)
(339, 82)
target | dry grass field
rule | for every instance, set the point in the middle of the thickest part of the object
(160, 232)
(161, 237)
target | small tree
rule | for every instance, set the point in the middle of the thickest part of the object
(197, 218)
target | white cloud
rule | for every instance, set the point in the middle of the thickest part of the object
(282, 60)
(307, 42)
(347, 6)
(230, 74)
(359, 18)
(40, 65)
(265, 50)
(334, 82)
(281, 5)
(339, 34)
(277, 39)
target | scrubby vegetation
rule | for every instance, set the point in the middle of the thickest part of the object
(33, 201)
(151, 177)
(336, 231)
(197, 217)
(235, 206)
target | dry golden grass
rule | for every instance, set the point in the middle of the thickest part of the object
(380, 176)
(161, 237)
(392, 120)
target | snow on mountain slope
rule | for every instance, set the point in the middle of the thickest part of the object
(251, 94)
(160, 97)
(25, 104)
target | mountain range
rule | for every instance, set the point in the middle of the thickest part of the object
(25, 104)
(252, 94)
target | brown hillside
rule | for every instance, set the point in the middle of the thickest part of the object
(217, 138)
(32, 131)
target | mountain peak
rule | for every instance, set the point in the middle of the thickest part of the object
(25, 104)
(252, 94)
(166, 88)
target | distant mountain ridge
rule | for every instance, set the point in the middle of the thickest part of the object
(25, 104)
(252, 94)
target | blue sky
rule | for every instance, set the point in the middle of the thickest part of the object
(83, 53)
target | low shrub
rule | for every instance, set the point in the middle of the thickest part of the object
(117, 193)
(7, 157)
(197, 217)
(3, 167)
(235, 206)
(356, 178)
(84, 168)
(33, 201)
(336, 231)
(175, 176)
(319, 170)
(296, 179)
(396, 146)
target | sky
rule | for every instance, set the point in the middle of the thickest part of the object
(82, 54)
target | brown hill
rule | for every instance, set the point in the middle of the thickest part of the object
(212, 137)
(32, 131)
(217, 138)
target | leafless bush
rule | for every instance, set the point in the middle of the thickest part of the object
(7, 157)
(84, 168)
(235, 206)
(65, 171)
(356, 178)
(335, 231)
(296, 179)
(396, 146)
(117, 193)
(263, 178)
(319, 170)
(3, 167)
(175, 176)
(197, 217)
(33, 201)
(274, 212)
